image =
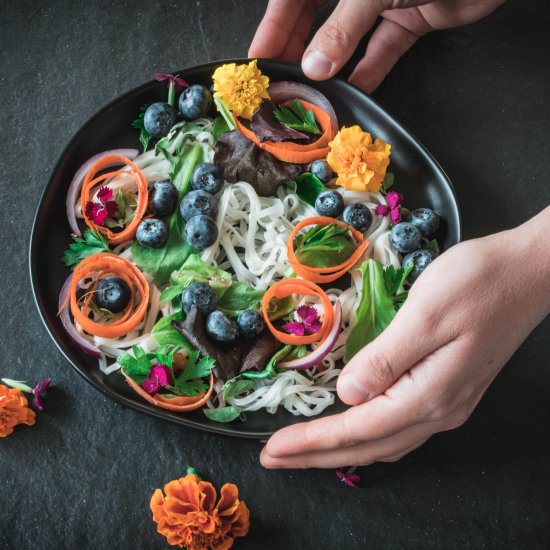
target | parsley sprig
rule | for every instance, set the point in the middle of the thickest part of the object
(92, 242)
(138, 363)
(295, 116)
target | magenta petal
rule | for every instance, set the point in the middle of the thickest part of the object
(104, 194)
(159, 376)
(38, 390)
(295, 328)
(382, 210)
(351, 480)
(394, 199)
(160, 77)
(111, 207)
(180, 82)
(150, 386)
(91, 209)
(100, 215)
(308, 314)
(395, 215)
(314, 327)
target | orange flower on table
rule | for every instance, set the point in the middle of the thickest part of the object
(189, 517)
(241, 88)
(14, 410)
(360, 164)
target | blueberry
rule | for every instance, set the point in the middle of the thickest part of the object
(112, 293)
(163, 197)
(329, 203)
(201, 296)
(194, 102)
(405, 237)
(321, 169)
(198, 202)
(421, 259)
(201, 232)
(207, 177)
(250, 323)
(152, 233)
(221, 328)
(159, 118)
(358, 216)
(426, 220)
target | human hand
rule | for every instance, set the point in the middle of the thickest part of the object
(464, 318)
(286, 24)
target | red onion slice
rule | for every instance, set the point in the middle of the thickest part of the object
(286, 89)
(78, 179)
(321, 351)
(68, 325)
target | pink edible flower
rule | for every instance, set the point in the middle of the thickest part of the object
(309, 322)
(349, 478)
(391, 208)
(159, 376)
(175, 80)
(105, 208)
(37, 392)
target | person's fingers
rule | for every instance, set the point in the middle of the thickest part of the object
(358, 455)
(277, 27)
(410, 337)
(380, 418)
(398, 456)
(295, 46)
(387, 44)
(335, 42)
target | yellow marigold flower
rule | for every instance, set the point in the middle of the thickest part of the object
(242, 88)
(360, 164)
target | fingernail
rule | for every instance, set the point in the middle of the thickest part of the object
(351, 391)
(316, 65)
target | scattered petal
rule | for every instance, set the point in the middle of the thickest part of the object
(159, 376)
(104, 194)
(382, 210)
(37, 392)
(295, 327)
(395, 215)
(349, 478)
(177, 80)
(308, 314)
(394, 199)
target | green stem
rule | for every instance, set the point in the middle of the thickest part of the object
(171, 94)
(192, 471)
(351, 469)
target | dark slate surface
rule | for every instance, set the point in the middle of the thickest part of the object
(477, 97)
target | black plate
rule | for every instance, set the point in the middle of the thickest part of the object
(417, 175)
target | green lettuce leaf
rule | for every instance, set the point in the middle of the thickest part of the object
(307, 186)
(380, 300)
(165, 333)
(161, 262)
(224, 414)
(239, 297)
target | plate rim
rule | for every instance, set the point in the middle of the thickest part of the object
(144, 408)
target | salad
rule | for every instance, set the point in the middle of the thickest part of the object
(250, 249)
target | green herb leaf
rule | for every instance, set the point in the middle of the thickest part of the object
(239, 297)
(235, 387)
(144, 136)
(219, 126)
(223, 414)
(433, 245)
(378, 304)
(325, 246)
(92, 243)
(187, 383)
(307, 186)
(295, 116)
(165, 333)
(225, 113)
(286, 353)
(137, 366)
(388, 180)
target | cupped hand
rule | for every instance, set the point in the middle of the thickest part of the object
(287, 23)
(464, 318)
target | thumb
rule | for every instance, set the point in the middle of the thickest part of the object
(410, 337)
(335, 42)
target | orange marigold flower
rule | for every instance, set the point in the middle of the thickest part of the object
(360, 164)
(188, 516)
(242, 88)
(13, 410)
